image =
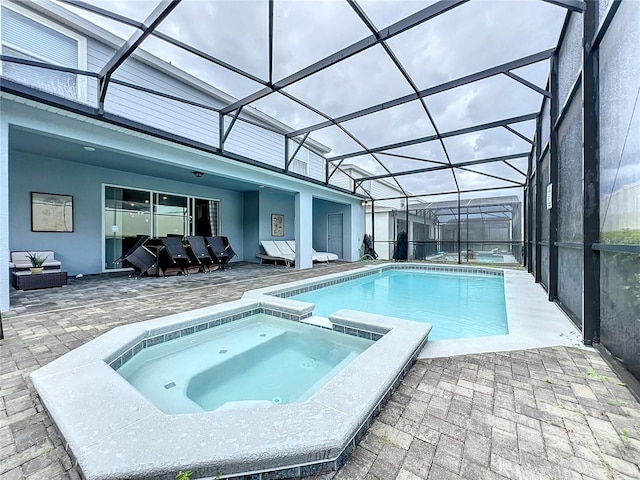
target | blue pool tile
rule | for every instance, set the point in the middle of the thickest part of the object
(157, 340)
(364, 334)
(126, 356)
(171, 336)
(351, 331)
(202, 327)
(187, 331)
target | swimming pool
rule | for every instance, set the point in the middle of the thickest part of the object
(256, 361)
(458, 305)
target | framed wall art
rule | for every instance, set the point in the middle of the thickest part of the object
(51, 212)
(277, 225)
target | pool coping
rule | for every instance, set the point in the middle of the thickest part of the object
(114, 432)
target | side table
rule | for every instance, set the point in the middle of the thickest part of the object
(25, 280)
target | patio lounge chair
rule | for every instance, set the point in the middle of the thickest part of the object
(228, 249)
(218, 251)
(173, 256)
(200, 252)
(315, 255)
(139, 242)
(139, 257)
(273, 254)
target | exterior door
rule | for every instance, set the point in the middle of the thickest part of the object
(334, 244)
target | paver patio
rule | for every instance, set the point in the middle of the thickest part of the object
(554, 413)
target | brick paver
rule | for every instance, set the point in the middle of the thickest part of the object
(554, 413)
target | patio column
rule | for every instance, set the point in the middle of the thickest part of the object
(304, 230)
(4, 215)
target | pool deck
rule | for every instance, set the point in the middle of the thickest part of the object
(536, 413)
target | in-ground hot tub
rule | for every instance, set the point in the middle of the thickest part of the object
(256, 361)
(115, 432)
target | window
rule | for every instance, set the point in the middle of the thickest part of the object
(130, 213)
(28, 36)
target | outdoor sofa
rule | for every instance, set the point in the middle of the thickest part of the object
(20, 261)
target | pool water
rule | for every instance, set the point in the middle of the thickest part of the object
(489, 258)
(457, 305)
(254, 362)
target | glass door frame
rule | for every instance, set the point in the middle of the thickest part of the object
(152, 192)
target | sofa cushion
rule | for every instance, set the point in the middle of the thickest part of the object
(20, 259)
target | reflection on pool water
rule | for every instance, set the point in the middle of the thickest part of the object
(458, 305)
(257, 361)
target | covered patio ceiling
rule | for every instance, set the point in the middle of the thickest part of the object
(438, 98)
(70, 150)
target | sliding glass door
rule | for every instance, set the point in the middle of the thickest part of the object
(170, 215)
(130, 213)
(127, 214)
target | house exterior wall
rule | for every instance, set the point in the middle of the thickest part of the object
(81, 250)
(316, 166)
(321, 211)
(176, 118)
(257, 143)
(377, 188)
(276, 202)
(251, 216)
(383, 231)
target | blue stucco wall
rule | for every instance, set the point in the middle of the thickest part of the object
(321, 211)
(277, 202)
(251, 225)
(81, 251)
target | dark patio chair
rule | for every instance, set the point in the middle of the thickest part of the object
(218, 251)
(139, 242)
(227, 248)
(173, 256)
(200, 252)
(141, 259)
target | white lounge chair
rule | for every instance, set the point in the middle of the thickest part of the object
(316, 256)
(273, 254)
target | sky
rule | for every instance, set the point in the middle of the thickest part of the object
(470, 38)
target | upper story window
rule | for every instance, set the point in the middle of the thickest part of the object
(27, 35)
(300, 164)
